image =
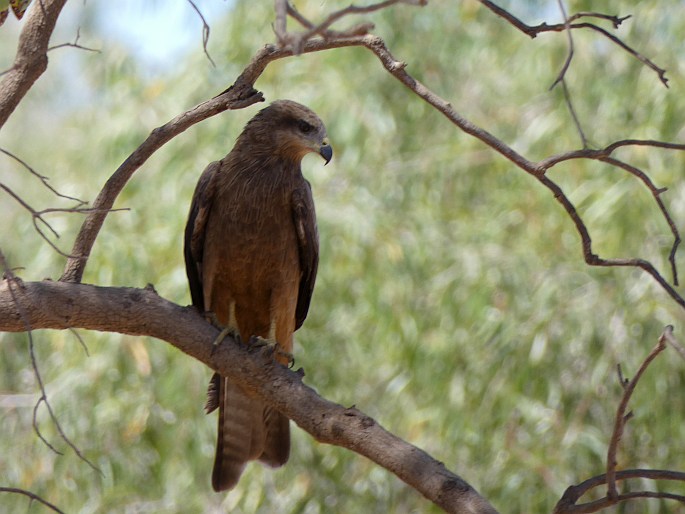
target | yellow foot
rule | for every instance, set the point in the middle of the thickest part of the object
(229, 331)
(225, 331)
(271, 346)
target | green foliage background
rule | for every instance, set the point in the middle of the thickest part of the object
(452, 302)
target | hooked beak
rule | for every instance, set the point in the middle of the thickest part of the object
(326, 152)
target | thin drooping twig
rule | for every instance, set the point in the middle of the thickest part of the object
(622, 417)
(38, 219)
(534, 30)
(75, 44)
(574, 116)
(569, 55)
(15, 287)
(656, 194)
(42, 178)
(205, 31)
(143, 312)
(32, 496)
(80, 340)
(561, 77)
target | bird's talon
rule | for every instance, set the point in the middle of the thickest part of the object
(271, 347)
(222, 335)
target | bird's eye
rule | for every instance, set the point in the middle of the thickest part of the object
(305, 127)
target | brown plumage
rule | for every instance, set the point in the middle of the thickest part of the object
(251, 250)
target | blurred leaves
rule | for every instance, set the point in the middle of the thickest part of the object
(452, 301)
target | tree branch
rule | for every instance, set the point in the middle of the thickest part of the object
(534, 30)
(537, 170)
(242, 94)
(568, 502)
(59, 305)
(32, 497)
(238, 96)
(621, 416)
(31, 59)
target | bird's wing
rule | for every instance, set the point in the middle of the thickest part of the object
(194, 240)
(304, 219)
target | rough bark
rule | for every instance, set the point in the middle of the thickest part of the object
(59, 305)
(32, 55)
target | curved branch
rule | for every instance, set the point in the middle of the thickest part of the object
(621, 417)
(242, 94)
(32, 496)
(60, 305)
(238, 96)
(567, 503)
(534, 30)
(31, 59)
(397, 69)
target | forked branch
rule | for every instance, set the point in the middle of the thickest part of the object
(568, 502)
(570, 23)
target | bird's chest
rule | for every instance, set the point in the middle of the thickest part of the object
(252, 231)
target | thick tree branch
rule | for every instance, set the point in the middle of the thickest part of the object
(31, 59)
(59, 305)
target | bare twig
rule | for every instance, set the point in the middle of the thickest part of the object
(15, 289)
(75, 44)
(656, 193)
(32, 496)
(621, 416)
(205, 31)
(38, 219)
(80, 340)
(297, 40)
(677, 345)
(534, 30)
(42, 178)
(574, 116)
(567, 503)
(538, 170)
(569, 55)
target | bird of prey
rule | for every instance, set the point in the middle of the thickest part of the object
(251, 250)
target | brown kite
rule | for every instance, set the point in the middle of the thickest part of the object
(251, 251)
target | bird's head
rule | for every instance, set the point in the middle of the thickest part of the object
(290, 131)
